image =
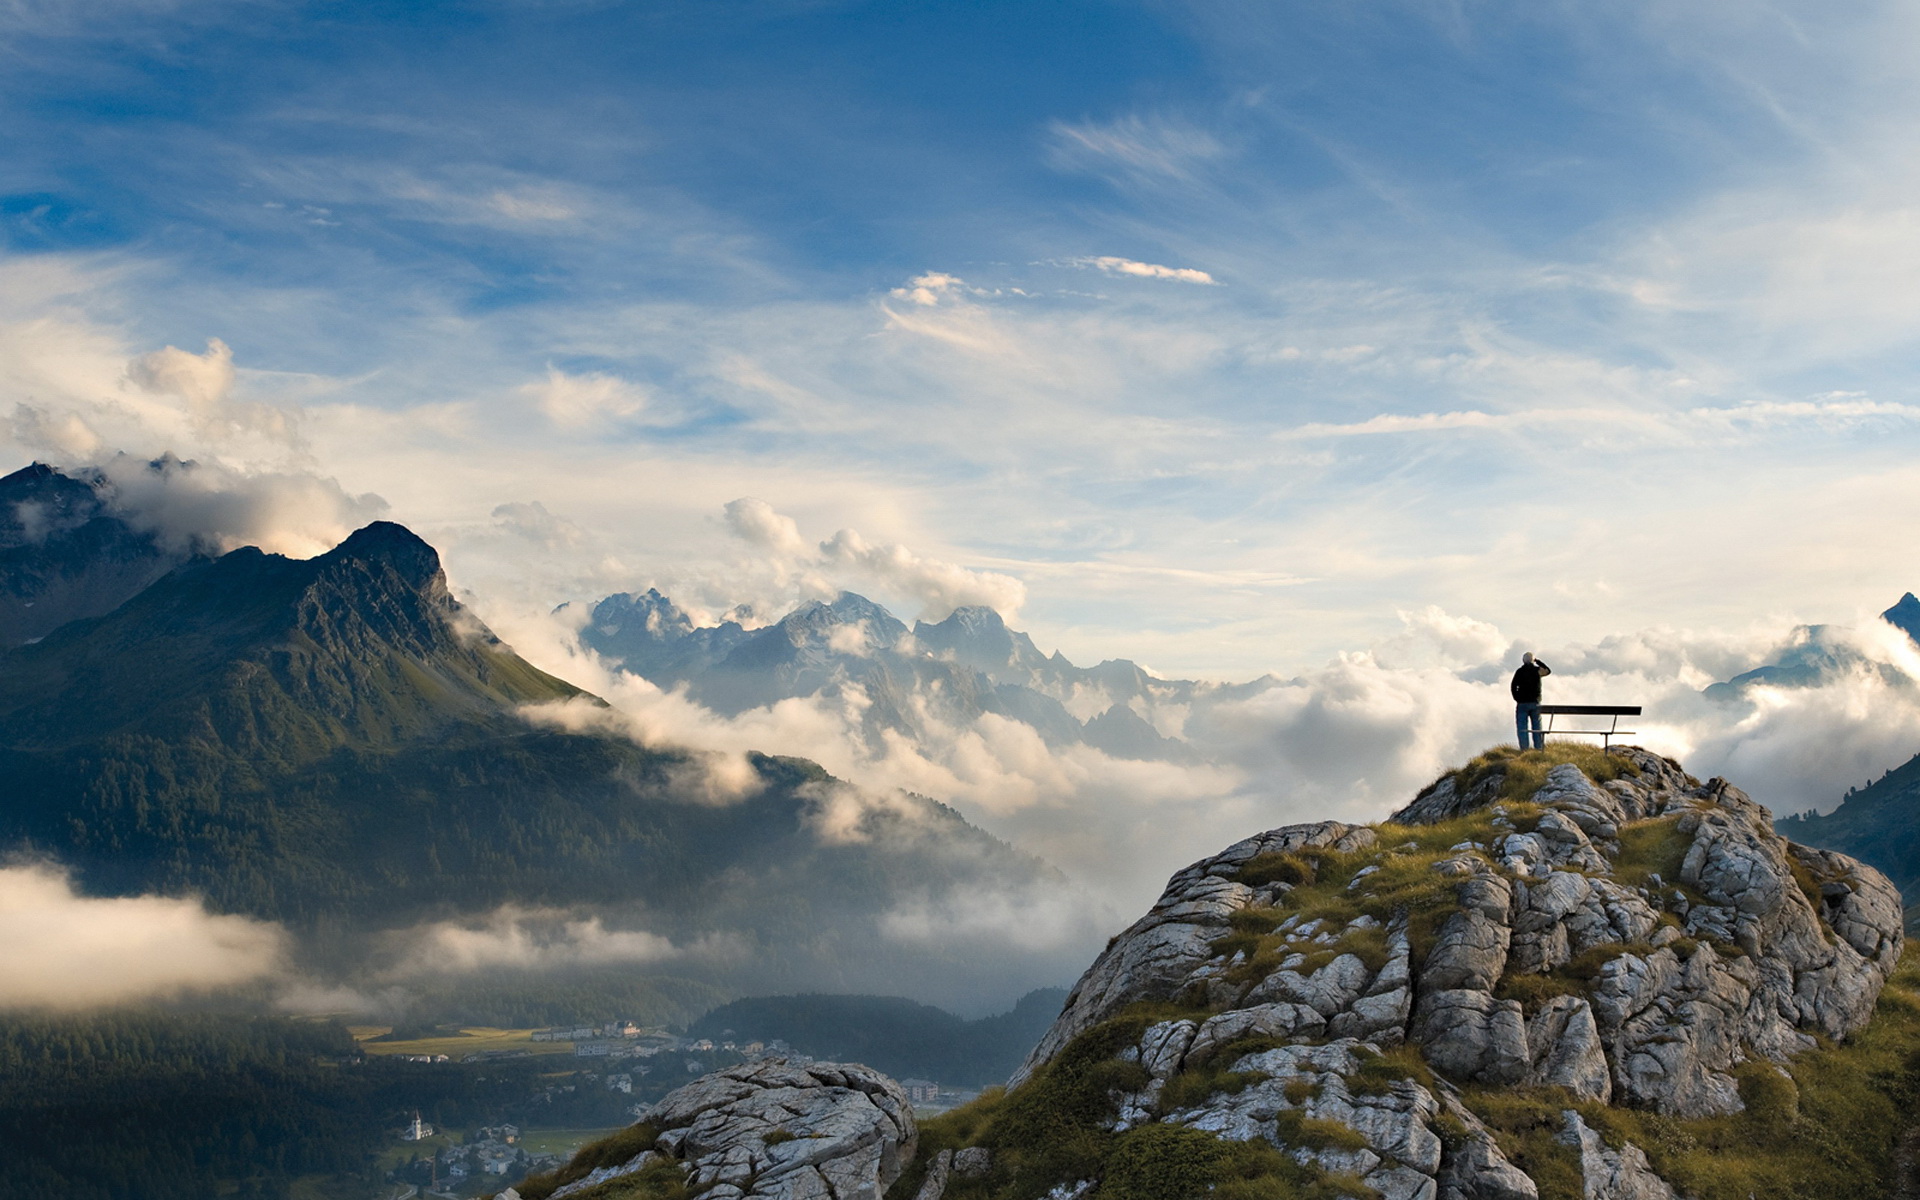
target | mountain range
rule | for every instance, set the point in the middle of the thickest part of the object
(336, 743)
(948, 673)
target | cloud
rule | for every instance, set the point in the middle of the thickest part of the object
(1353, 739)
(940, 587)
(1138, 147)
(63, 437)
(524, 938)
(929, 289)
(586, 401)
(68, 950)
(755, 522)
(209, 506)
(1127, 266)
(532, 204)
(531, 520)
(1031, 920)
(205, 383)
(848, 561)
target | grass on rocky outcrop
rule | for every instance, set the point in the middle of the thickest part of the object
(1402, 880)
(659, 1182)
(1054, 1130)
(1829, 1126)
(1525, 771)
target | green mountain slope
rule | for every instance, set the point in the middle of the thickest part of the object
(335, 740)
(1877, 824)
(892, 1033)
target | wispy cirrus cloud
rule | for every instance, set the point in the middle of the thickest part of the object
(1135, 147)
(1141, 270)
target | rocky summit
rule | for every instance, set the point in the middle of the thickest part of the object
(1553, 974)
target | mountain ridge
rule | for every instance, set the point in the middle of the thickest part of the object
(335, 743)
(950, 672)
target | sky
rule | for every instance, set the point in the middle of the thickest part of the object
(1232, 338)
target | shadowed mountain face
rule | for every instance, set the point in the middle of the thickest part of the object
(891, 1033)
(65, 554)
(951, 673)
(334, 740)
(1879, 824)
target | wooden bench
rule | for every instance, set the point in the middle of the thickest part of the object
(1606, 736)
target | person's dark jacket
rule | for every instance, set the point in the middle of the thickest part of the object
(1526, 682)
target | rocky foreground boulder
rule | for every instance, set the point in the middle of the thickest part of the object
(765, 1130)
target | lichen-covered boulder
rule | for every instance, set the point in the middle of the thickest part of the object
(772, 1130)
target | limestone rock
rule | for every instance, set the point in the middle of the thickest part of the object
(1153, 958)
(934, 1186)
(1606, 1174)
(1565, 1048)
(1468, 1034)
(973, 1162)
(1475, 1168)
(851, 1131)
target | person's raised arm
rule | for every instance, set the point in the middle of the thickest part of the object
(1543, 667)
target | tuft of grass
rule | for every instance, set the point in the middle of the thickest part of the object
(1525, 771)
(1535, 990)
(1527, 1126)
(1313, 1133)
(1054, 1130)
(1281, 866)
(1173, 1162)
(1810, 888)
(1190, 1088)
(773, 1137)
(1379, 1072)
(1652, 847)
(607, 1152)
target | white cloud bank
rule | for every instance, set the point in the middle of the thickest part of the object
(66, 950)
(525, 938)
(1353, 739)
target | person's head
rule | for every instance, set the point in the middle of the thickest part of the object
(1527, 658)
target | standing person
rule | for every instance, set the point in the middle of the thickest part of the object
(1526, 700)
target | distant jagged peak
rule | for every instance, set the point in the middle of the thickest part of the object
(977, 618)
(38, 502)
(818, 619)
(1905, 616)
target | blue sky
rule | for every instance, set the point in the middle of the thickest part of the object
(1239, 329)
